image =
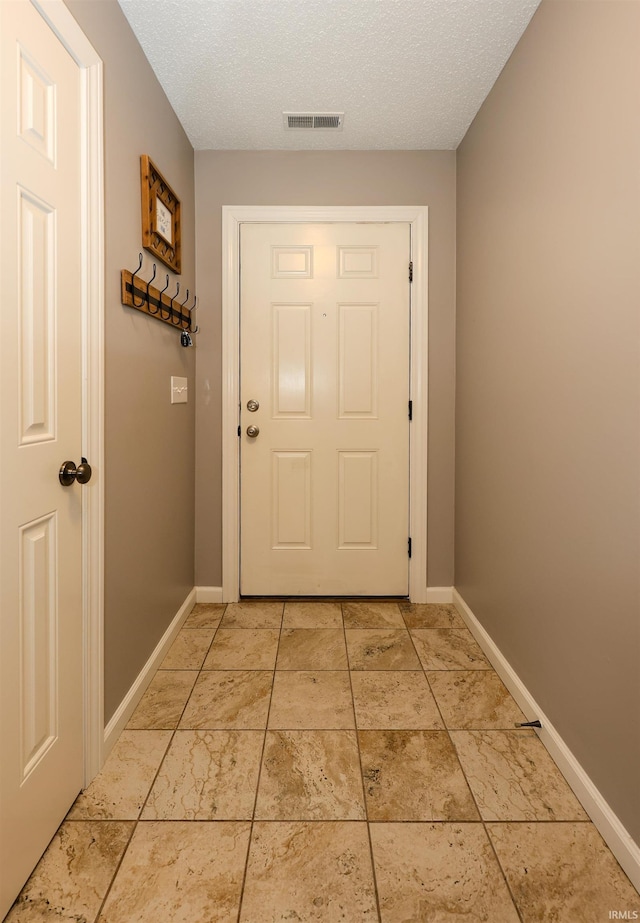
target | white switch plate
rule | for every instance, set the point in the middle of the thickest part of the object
(179, 390)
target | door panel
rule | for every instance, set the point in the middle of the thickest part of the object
(324, 334)
(41, 654)
(291, 350)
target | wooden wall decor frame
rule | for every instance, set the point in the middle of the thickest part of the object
(161, 231)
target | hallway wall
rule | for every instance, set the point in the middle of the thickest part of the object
(548, 410)
(326, 178)
(149, 464)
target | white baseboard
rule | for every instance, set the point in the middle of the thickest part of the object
(126, 708)
(620, 842)
(208, 594)
(439, 594)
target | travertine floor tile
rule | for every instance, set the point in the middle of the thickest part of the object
(205, 615)
(319, 779)
(381, 649)
(312, 649)
(445, 873)
(372, 615)
(243, 649)
(309, 872)
(229, 699)
(164, 701)
(413, 775)
(303, 700)
(188, 650)
(312, 615)
(474, 700)
(180, 872)
(513, 777)
(310, 775)
(253, 615)
(120, 788)
(395, 699)
(431, 615)
(448, 649)
(562, 872)
(207, 775)
(72, 878)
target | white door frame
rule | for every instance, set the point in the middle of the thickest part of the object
(63, 24)
(232, 217)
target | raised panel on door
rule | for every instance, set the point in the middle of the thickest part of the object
(38, 607)
(291, 497)
(36, 110)
(291, 352)
(358, 360)
(36, 309)
(358, 491)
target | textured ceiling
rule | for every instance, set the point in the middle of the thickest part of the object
(408, 74)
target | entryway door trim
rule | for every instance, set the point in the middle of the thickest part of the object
(63, 24)
(232, 217)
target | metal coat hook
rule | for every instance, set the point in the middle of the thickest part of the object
(160, 294)
(133, 285)
(169, 316)
(148, 284)
(192, 311)
(181, 316)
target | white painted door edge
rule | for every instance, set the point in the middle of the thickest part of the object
(63, 24)
(232, 217)
(620, 842)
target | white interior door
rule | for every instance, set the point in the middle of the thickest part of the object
(324, 351)
(41, 652)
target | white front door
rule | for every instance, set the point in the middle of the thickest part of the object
(41, 649)
(324, 351)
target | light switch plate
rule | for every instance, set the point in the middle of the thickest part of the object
(179, 390)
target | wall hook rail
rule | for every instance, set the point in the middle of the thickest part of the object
(145, 297)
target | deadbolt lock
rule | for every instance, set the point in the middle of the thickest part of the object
(252, 406)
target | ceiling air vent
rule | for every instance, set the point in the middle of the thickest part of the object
(313, 120)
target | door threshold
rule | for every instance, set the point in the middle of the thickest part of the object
(325, 599)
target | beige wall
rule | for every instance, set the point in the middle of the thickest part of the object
(149, 467)
(327, 178)
(547, 435)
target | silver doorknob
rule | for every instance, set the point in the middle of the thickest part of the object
(253, 431)
(69, 473)
(252, 406)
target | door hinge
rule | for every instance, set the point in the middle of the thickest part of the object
(411, 271)
(409, 546)
(411, 410)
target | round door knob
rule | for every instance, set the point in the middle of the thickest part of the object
(252, 406)
(69, 473)
(83, 472)
(253, 431)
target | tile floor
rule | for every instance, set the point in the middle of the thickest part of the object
(326, 762)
